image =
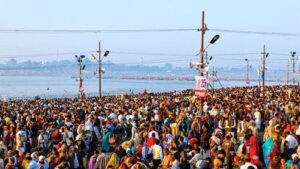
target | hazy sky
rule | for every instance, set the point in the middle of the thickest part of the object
(254, 15)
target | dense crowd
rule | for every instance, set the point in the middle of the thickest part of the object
(231, 128)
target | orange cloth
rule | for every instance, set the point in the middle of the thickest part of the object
(167, 162)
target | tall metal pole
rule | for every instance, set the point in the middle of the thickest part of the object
(202, 42)
(99, 70)
(288, 73)
(247, 71)
(202, 54)
(263, 70)
(294, 70)
(260, 71)
(80, 76)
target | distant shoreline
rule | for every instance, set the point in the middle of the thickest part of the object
(150, 77)
(132, 93)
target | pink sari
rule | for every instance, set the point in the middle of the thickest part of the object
(92, 162)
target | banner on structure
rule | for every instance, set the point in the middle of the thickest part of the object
(200, 86)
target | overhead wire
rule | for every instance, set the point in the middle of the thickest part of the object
(255, 32)
(9, 56)
(144, 54)
(96, 31)
(42, 31)
(112, 52)
(102, 31)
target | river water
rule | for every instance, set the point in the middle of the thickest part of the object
(30, 86)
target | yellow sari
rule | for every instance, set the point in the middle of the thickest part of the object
(113, 161)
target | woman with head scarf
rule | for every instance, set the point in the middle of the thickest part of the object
(113, 162)
(93, 160)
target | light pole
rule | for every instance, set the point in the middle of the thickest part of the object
(247, 71)
(202, 49)
(201, 67)
(264, 57)
(294, 69)
(288, 73)
(100, 71)
(81, 68)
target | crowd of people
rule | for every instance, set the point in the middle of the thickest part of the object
(232, 128)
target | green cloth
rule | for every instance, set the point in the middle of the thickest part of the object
(133, 149)
(288, 164)
(105, 144)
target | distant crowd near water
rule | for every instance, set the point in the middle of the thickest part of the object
(232, 128)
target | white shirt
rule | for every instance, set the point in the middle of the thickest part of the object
(247, 164)
(175, 165)
(257, 116)
(196, 158)
(293, 143)
(213, 112)
(205, 108)
(298, 130)
(157, 152)
(88, 125)
(42, 138)
(156, 117)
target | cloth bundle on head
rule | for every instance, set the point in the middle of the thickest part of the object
(294, 156)
(33, 155)
(217, 131)
(41, 158)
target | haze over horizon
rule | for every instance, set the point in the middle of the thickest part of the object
(266, 16)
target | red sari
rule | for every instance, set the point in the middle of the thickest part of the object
(253, 144)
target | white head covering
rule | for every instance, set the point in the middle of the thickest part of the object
(33, 155)
(294, 156)
(41, 157)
